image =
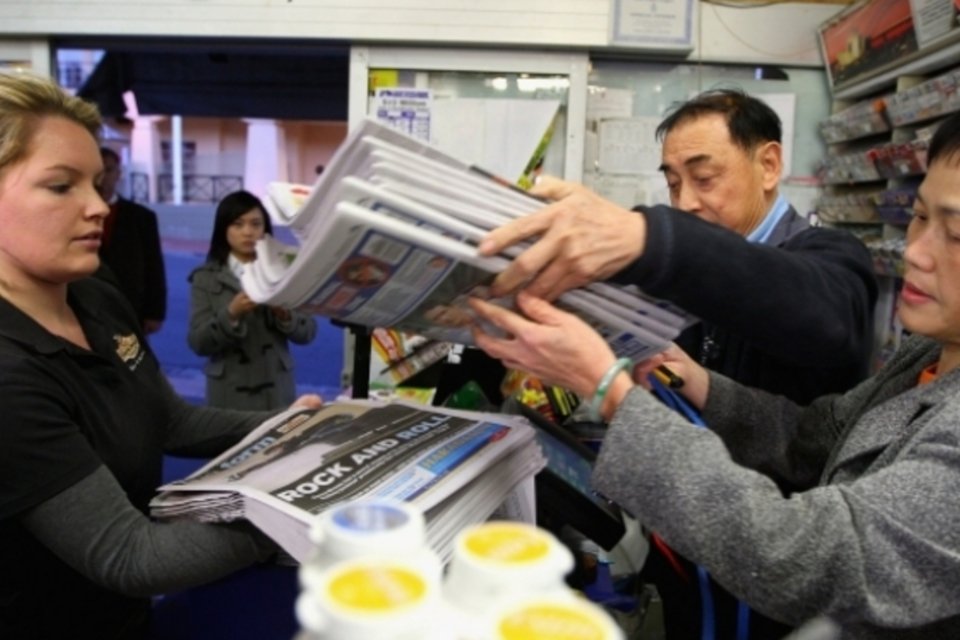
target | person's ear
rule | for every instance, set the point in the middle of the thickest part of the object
(770, 157)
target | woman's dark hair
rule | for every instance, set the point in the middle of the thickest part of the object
(945, 144)
(230, 208)
(751, 121)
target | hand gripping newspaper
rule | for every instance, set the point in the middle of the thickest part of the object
(387, 237)
(457, 466)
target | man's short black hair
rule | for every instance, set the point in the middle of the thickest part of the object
(751, 121)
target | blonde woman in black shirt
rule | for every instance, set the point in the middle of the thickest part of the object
(87, 412)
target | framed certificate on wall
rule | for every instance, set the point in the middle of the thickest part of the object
(657, 25)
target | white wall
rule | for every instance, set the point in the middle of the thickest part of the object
(25, 53)
(782, 33)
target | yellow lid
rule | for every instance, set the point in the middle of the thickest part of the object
(507, 542)
(376, 589)
(554, 621)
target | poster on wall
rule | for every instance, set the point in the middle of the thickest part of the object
(865, 37)
(405, 109)
(875, 34)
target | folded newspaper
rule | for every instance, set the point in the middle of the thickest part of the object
(457, 466)
(387, 237)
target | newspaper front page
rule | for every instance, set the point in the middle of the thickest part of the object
(389, 239)
(301, 462)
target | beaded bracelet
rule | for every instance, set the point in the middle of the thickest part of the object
(596, 402)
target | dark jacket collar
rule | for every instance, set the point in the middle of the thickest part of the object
(788, 226)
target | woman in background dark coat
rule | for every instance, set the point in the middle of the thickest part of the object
(250, 364)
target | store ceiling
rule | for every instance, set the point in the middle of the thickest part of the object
(288, 82)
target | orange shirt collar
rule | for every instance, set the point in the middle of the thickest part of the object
(928, 375)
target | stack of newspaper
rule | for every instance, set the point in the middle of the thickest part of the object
(459, 467)
(388, 238)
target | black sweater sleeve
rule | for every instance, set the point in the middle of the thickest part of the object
(809, 301)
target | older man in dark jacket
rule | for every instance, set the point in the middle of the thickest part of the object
(784, 306)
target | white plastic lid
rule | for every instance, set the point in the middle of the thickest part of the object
(364, 527)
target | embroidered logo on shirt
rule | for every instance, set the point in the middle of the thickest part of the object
(128, 349)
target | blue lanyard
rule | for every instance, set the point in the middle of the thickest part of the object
(676, 402)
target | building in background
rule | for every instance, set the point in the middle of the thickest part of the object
(219, 153)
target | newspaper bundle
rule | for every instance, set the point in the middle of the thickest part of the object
(457, 466)
(388, 238)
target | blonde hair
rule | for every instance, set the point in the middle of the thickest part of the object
(25, 98)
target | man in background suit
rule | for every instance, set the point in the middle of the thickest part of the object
(131, 249)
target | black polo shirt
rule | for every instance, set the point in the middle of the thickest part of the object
(64, 411)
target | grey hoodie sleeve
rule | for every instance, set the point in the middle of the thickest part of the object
(875, 551)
